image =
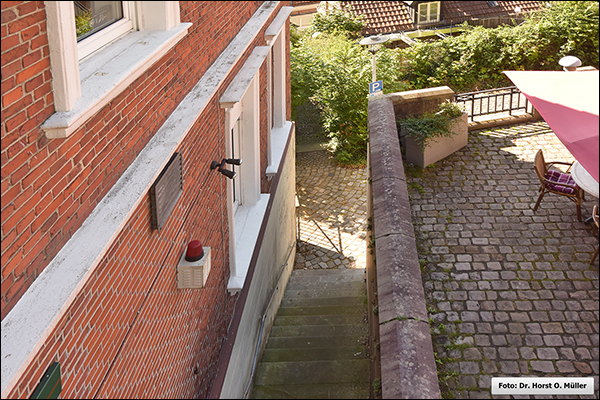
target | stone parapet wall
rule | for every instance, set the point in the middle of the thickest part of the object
(408, 368)
(421, 101)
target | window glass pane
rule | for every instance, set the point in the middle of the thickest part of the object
(433, 12)
(236, 153)
(422, 12)
(93, 16)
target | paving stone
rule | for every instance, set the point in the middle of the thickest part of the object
(509, 367)
(542, 366)
(508, 353)
(565, 366)
(547, 353)
(583, 354)
(489, 367)
(514, 340)
(472, 354)
(469, 367)
(552, 327)
(527, 353)
(582, 367)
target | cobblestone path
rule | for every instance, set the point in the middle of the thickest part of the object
(510, 292)
(332, 213)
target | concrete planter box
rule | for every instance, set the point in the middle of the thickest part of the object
(438, 148)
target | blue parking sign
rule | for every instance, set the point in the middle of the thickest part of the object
(375, 88)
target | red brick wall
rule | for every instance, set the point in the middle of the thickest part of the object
(49, 187)
(265, 129)
(130, 332)
(26, 102)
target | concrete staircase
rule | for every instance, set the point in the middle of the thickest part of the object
(317, 348)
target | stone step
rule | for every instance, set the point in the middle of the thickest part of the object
(307, 342)
(322, 310)
(313, 372)
(333, 282)
(317, 348)
(312, 391)
(322, 301)
(318, 330)
(356, 286)
(327, 320)
(354, 272)
(317, 293)
(355, 352)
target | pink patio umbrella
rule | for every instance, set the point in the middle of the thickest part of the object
(568, 102)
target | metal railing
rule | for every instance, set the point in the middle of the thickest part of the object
(494, 101)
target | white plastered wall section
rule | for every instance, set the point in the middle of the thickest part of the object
(28, 325)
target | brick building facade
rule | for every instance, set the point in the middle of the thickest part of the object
(87, 281)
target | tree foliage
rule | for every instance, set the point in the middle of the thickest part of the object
(333, 71)
(475, 60)
(340, 20)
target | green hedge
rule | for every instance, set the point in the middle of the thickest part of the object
(475, 60)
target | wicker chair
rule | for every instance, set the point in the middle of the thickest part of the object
(557, 182)
(595, 218)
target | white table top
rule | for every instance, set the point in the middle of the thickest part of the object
(584, 179)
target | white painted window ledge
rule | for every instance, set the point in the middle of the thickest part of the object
(277, 24)
(279, 138)
(248, 220)
(105, 74)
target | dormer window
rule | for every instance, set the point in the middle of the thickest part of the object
(428, 12)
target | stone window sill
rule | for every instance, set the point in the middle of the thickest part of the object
(248, 220)
(105, 74)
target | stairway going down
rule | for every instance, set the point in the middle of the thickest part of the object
(317, 348)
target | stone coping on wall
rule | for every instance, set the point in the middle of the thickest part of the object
(408, 368)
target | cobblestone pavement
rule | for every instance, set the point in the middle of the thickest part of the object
(332, 213)
(510, 292)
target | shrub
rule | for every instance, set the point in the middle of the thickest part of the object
(425, 127)
(334, 72)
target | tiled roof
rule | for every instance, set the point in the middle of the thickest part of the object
(459, 11)
(394, 16)
(382, 16)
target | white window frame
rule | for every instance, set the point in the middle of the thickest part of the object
(83, 86)
(428, 18)
(242, 98)
(233, 140)
(276, 37)
(115, 30)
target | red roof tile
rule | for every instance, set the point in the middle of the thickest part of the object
(382, 16)
(394, 16)
(459, 11)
